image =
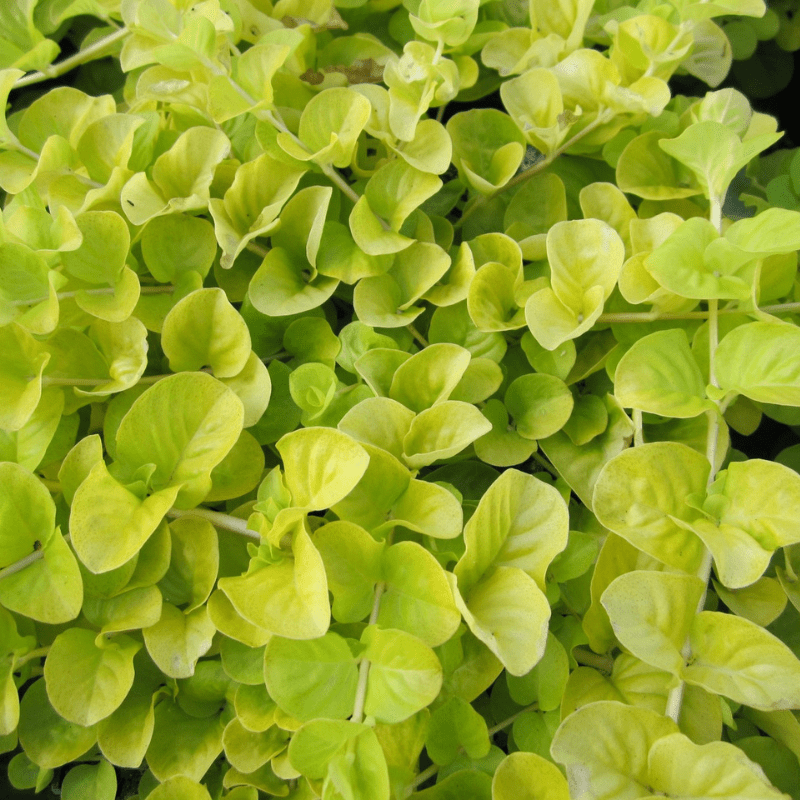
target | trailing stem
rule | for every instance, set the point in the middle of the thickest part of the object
(675, 697)
(363, 669)
(216, 518)
(428, 773)
(538, 167)
(93, 51)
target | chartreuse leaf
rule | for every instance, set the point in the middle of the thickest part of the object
(761, 602)
(739, 659)
(487, 147)
(321, 466)
(27, 513)
(182, 744)
(27, 293)
(313, 386)
(605, 747)
(352, 560)
(771, 232)
(585, 258)
(545, 683)
(289, 598)
(430, 376)
(109, 523)
(453, 324)
(539, 404)
(88, 780)
(695, 262)
(329, 128)
(427, 508)
(758, 360)
(347, 755)
(240, 471)
(641, 494)
(210, 417)
(123, 737)
(179, 787)
(48, 590)
(14, 646)
(453, 725)
(651, 612)
(87, 680)
(502, 446)
(228, 621)
(194, 563)
(312, 678)
(535, 103)
(508, 612)
(756, 503)
(255, 709)
(581, 465)
(527, 220)
(204, 329)
(181, 177)
(385, 481)
(492, 298)
(177, 640)
(659, 375)
(379, 421)
(241, 663)
(715, 153)
(178, 243)
(302, 221)
(22, 360)
(520, 522)
(251, 205)
(404, 675)
(103, 250)
(631, 682)
(527, 776)
(246, 751)
(678, 767)
(391, 195)
(47, 738)
(417, 598)
(442, 431)
(387, 300)
(23, 773)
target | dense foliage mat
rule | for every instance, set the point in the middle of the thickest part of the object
(358, 449)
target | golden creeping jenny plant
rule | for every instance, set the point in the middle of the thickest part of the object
(358, 450)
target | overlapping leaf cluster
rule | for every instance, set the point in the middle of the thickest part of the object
(347, 453)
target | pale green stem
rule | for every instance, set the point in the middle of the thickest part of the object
(17, 566)
(601, 119)
(545, 465)
(218, 519)
(257, 249)
(638, 436)
(428, 773)
(165, 289)
(40, 652)
(96, 50)
(510, 720)
(275, 356)
(363, 669)
(675, 697)
(417, 335)
(652, 316)
(591, 659)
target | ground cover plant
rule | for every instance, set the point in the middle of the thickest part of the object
(355, 448)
